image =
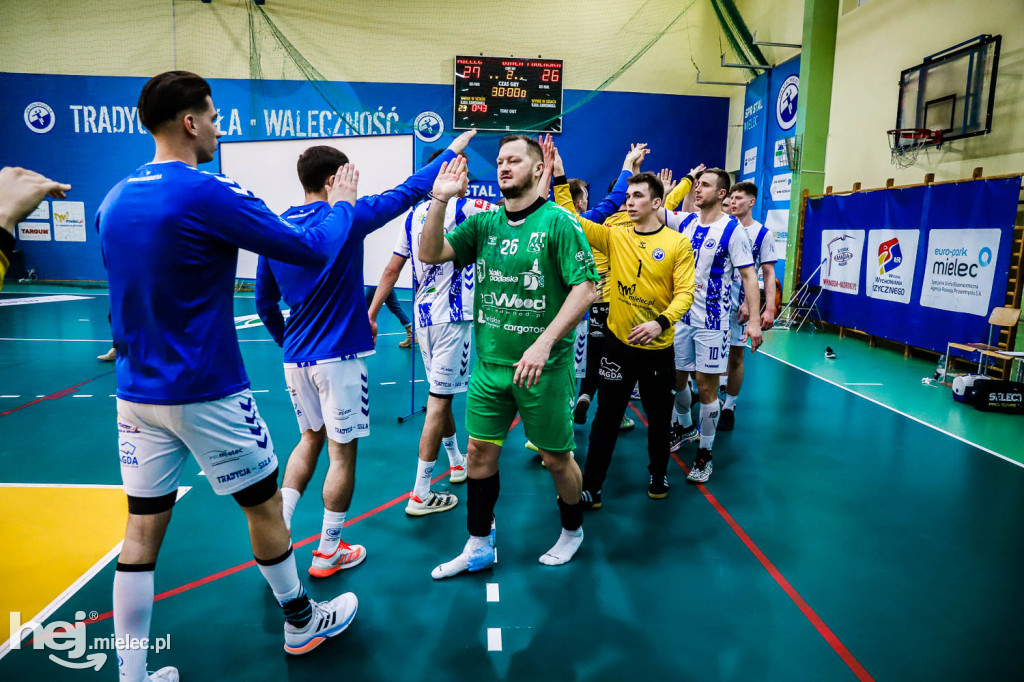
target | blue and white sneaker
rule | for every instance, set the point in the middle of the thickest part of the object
(329, 618)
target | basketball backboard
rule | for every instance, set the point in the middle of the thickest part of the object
(953, 90)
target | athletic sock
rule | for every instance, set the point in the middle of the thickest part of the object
(723, 380)
(451, 446)
(572, 514)
(133, 610)
(568, 542)
(681, 408)
(708, 422)
(330, 535)
(283, 578)
(481, 496)
(461, 562)
(289, 498)
(730, 402)
(424, 471)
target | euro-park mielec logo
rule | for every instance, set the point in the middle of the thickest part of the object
(954, 267)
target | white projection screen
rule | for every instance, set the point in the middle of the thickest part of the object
(267, 168)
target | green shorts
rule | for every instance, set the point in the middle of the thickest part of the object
(546, 409)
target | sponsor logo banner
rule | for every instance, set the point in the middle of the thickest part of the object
(843, 250)
(750, 160)
(891, 272)
(960, 269)
(69, 221)
(781, 186)
(34, 232)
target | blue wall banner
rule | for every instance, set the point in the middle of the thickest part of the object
(85, 130)
(769, 119)
(921, 265)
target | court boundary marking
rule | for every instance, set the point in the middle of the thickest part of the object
(56, 395)
(809, 613)
(897, 411)
(83, 579)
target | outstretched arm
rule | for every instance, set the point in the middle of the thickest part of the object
(452, 180)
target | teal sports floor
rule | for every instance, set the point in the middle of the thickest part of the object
(858, 525)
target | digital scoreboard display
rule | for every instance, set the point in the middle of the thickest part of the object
(508, 94)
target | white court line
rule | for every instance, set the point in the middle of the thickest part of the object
(82, 395)
(492, 592)
(64, 596)
(97, 486)
(387, 383)
(7, 338)
(10, 396)
(494, 639)
(262, 390)
(899, 412)
(861, 384)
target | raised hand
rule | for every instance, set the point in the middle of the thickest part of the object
(452, 179)
(635, 157)
(666, 180)
(21, 190)
(694, 171)
(460, 143)
(345, 185)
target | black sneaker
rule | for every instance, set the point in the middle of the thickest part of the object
(579, 413)
(700, 472)
(680, 435)
(589, 500)
(727, 420)
(657, 489)
(829, 353)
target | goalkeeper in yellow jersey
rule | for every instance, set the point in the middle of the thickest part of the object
(650, 286)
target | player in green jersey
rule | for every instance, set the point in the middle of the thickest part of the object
(535, 277)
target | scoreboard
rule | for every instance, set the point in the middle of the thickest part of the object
(508, 94)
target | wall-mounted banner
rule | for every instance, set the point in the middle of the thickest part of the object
(960, 270)
(936, 259)
(891, 272)
(844, 250)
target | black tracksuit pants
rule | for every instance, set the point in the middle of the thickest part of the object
(621, 367)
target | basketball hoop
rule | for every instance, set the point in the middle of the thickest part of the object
(905, 143)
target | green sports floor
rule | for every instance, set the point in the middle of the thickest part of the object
(859, 525)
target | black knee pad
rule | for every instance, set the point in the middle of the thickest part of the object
(151, 505)
(259, 492)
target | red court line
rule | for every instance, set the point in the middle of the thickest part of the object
(252, 562)
(790, 591)
(54, 396)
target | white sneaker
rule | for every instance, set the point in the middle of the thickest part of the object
(167, 674)
(432, 503)
(459, 472)
(345, 557)
(329, 619)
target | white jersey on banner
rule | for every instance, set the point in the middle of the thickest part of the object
(718, 249)
(443, 293)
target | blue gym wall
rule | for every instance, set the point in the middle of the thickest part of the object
(682, 131)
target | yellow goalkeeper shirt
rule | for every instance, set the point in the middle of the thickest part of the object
(649, 275)
(676, 196)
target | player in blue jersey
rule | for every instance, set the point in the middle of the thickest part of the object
(741, 200)
(170, 235)
(720, 247)
(326, 339)
(444, 328)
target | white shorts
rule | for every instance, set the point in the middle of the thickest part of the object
(580, 348)
(736, 331)
(227, 437)
(702, 350)
(333, 392)
(445, 351)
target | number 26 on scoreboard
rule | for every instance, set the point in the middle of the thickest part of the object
(549, 75)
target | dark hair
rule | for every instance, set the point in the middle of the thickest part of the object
(435, 154)
(532, 146)
(577, 188)
(318, 163)
(747, 187)
(164, 96)
(652, 181)
(724, 181)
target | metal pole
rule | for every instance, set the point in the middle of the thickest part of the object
(413, 410)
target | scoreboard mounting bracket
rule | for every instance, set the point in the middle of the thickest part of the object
(508, 94)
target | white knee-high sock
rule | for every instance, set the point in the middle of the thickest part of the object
(708, 423)
(283, 577)
(424, 471)
(681, 408)
(289, 498)
(133, 610)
